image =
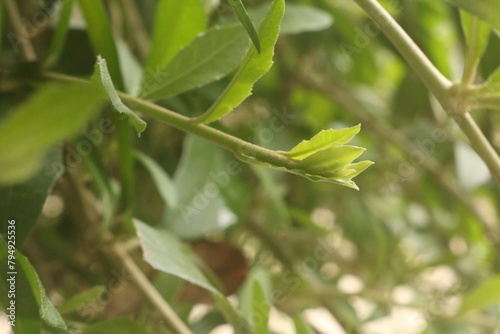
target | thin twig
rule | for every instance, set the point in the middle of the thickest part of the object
(445, 92)
(27, 48)
(423, 68)
(150, 291)
(136, 27)
(235, 145)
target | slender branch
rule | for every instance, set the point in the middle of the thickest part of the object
(436, 82)
(150, 291)
(138, 32)
(345, 98)
(27, 48)
(451, 97)
(240, 148)
(488, 102)
(479, 142)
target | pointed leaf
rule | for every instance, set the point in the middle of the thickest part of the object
(242, 15)
(207, 58)
(48, 312)
(54, 113)
(24, 202)
(298, 18)
(492, 84)
(109, 197)
(260, 309)
(60, 34)
(82, 299)
(26, 310)
(254, 66)
(101, 36)
(165, 252)
(301, 326)
(353, 170)
(301, 18)
(202, 208)
(306, 174)
(117, 103)
(176, 24)
(322, 140)
(323, 158)
(477, 33)
(488, 10)
(329, 159)
(163, 182)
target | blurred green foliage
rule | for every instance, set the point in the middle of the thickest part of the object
(419, 241)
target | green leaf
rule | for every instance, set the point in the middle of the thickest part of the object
(326, 161)
(165, 252)
(298, 18)
(25, 310)
(246, 297)
(82, 299)
(24, 202)
(109, 197)
(115, 326)
(260, 308)
(54, 113)
(322, 140)
(202, 209)
(488, 10)
(101, 36)
(483, 296)
(301, 18)
(207, 58)
(477, 33)
(322, 158)
(31, 300)
(242, 15)
(492, 85)
(60, 34)
(103, 42)
(231, 314)
(176, 24)
(47, 310)
(117, 103)
(254, 66)
(163, 182)
(301, 326)
(352, 170)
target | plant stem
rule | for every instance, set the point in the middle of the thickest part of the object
(235, 145)
(447, 94)
(240, 148)
(342, 95)
(150, 291)
(479, 142)
(423, 68)
(488, 102)
(27, 48)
